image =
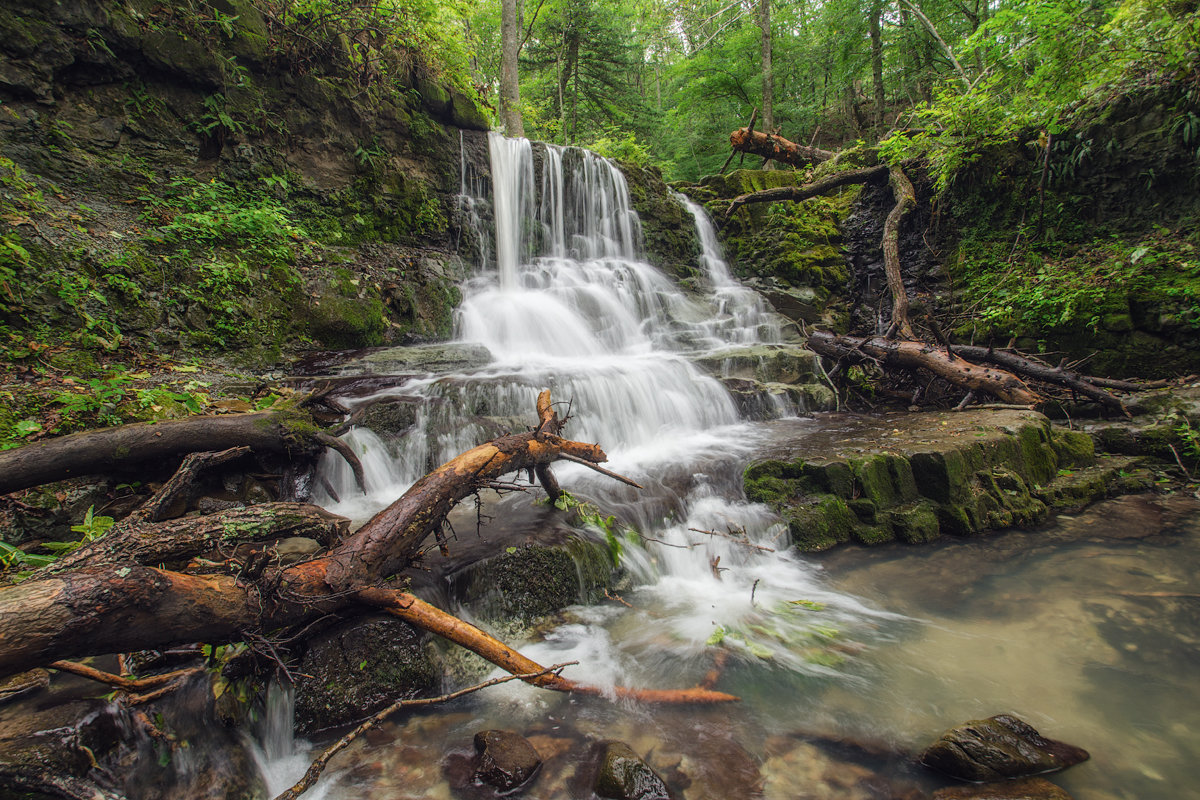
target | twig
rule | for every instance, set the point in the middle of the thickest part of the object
(601, 470)
(318, 766)
(753, 589)
(1179, 461)
(128, 684)
(734, 539)
(618, 598)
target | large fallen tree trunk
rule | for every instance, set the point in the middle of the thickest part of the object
(290, 433)
(120, 603)
(776, 148)
(1005, 386)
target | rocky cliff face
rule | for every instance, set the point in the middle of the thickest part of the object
(173, 176)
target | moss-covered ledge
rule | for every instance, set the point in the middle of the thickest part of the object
(913, 477)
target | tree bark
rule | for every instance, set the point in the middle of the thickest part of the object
(1003, 385)
(768, 74)
(777, 148)
(874, 25)
(510, 86)
(130, 446)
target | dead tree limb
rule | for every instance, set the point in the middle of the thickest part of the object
(287, 432)
(1036, 370)
(906, 199)
(801, 193)
(777, 148)
(130, 606)
(1000, 384)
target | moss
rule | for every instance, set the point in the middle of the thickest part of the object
(343, 323)
(524, 584)
(820, 525)
(887, 480)
(916, 522)
(1073, 448)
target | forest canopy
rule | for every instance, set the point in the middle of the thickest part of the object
(666, 80)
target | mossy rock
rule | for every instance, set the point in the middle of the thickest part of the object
(360, 666)
(344, 323)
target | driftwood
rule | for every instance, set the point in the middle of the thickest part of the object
(774, 147)
(114, 600)
(1005, 386)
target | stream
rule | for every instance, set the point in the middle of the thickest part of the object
(841, 661)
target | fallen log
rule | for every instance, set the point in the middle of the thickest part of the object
(288, 432)
(1005, 386)
(123, 605)
(1088, 387)
(798, 194)
(776, 148)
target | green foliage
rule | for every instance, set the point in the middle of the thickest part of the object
(589, 516)
(1084, 287)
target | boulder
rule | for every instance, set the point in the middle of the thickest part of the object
(998, 748)
(625, 776)
(506, 759)
(356, 668)
(1023, 789)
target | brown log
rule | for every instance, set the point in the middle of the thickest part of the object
(131, 607)
(775, 147)
(417, 612)
(972, 377)
(801, 193)
(1088, 387)
(906, 199)
(129, 446)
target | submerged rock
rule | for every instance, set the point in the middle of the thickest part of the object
(506, 759)
(1023, 789)
(998, 748)
(623, 775)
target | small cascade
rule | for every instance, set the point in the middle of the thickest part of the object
(571, 305)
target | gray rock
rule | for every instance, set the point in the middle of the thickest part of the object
(623, 775)
(506, 759)
(1023, 789)
(998, 748)
(295, 549)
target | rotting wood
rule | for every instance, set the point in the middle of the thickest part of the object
(906, 199)
(775, 147)
(908, 354)
(130, 606)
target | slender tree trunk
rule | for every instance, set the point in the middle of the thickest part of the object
(875, 24)
(768, 74)
(510, 87)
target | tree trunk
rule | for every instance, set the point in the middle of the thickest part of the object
(129, 447)
(777, 148)
(874, 24)
(906, 199)
(510, 86)
(768, 74)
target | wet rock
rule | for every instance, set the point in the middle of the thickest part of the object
(1023, 789)
(764, 363)
(295, 549)
(625, 776)
(997, 748)
(420, 360)
(356, 668)
(23, 683)
(506, 759)
(913, 477)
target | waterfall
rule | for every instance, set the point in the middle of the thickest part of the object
(571, 305)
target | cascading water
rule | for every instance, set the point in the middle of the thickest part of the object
(569, 305)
